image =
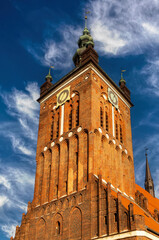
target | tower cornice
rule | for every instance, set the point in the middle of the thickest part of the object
(90, 64)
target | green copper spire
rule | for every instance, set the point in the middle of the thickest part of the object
(122, 80)
(49, 77)
(84, 41)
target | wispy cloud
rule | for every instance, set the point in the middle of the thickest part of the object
(17, 186)
(23, 108)
(121, 28)
(9, 229)
(60, 53)
(17, 182)
(151, 73)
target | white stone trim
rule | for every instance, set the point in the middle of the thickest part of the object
(45, 149)
(113, 121)
(130, 234)
(62, 119)
(103, 78)
(112, 88)
(67, 82)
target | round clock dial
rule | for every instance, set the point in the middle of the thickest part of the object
(63, 96)
(113, 98)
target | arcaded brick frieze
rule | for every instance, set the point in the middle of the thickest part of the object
(86, 214)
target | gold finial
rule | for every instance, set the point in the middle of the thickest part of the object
(86, 12)
(122, 71)
(50, 69)
(49, 77)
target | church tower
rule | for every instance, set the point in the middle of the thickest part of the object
(85, 184)
(149, 186)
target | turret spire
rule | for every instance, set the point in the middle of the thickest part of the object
(149, 185)
(49, 77)
(85, 42)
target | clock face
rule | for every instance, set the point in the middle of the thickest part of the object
(63, 96)
(113, 98)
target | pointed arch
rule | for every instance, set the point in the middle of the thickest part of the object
(41, 229)
(63, 168)
(41, 173)
(75, 223)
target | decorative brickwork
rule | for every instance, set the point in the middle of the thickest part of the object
(85, 185)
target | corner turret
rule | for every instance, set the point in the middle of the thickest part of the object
(122, 84)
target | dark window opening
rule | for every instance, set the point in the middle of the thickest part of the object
(58, 228)
(77, 116)
(106, 121)
(70, 120)
(105, 220)
(52, 129)
(58, 123)
(121, 135)
(101, 117)
(116, 125)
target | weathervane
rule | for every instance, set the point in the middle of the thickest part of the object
(86, 12)
(50, 69)
(122, 71)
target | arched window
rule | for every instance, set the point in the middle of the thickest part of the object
(106, 121)
(101, 117)
(58, 228)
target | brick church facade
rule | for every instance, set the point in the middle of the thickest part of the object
(85, 183)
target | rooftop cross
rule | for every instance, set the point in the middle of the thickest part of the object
(87, 12)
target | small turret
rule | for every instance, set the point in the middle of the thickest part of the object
(149, 185)
(47, 84)
(122, 84)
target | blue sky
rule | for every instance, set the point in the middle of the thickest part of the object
(36, 34)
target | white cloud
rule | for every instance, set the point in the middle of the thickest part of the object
(58, 54)
(4, 181)
(9, 229)
(117, 28)
(3, 200)
(150, 28)
(151, 73)
(121, 28)
(24, 109)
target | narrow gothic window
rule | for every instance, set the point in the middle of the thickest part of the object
(121, 135)
(101, 116)
(66, 186)
(77, 170)
(56, 190)
(106, 121)
(116, 127)
(77, 114)
(70, 120)
(58, 228)
(52, 129)
(105, 220)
